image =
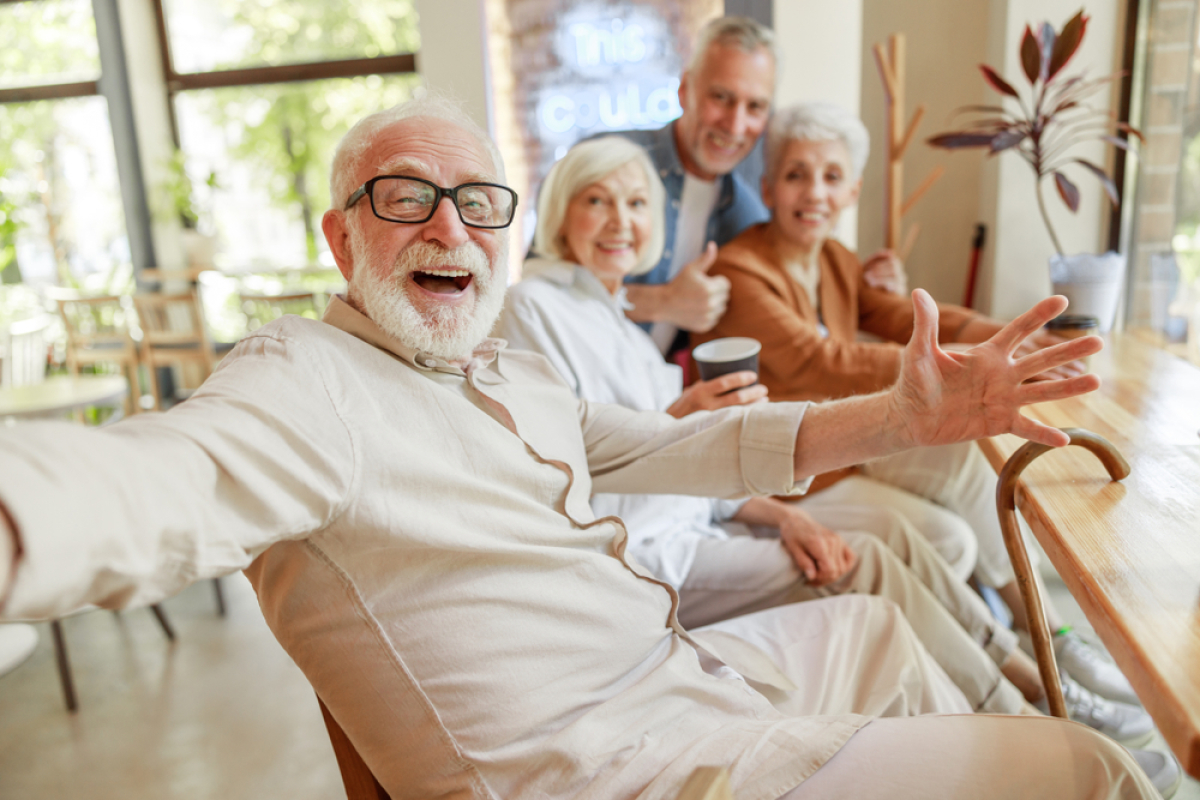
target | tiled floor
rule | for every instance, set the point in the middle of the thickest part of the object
(222, 714)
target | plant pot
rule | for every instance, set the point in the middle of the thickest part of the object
(198, 248)
(1092, 283)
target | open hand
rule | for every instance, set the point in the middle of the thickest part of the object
(696, 300)
(819, 553)
(733, 389)
(943, 398)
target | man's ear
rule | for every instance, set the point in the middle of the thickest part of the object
(337, 234)
(683, 90)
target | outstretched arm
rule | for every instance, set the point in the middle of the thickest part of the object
(943, 398)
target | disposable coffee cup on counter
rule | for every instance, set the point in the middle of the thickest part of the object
(1072, 326)
(723, 356)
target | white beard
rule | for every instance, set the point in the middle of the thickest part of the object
(447, 332)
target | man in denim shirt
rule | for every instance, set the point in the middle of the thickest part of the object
(726, 95)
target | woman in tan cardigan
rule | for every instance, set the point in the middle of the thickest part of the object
(806, 297)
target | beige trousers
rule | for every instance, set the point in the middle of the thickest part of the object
(926, 758)
(741, 575)
(847, 655)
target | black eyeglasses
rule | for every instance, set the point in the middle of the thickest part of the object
(398, 198)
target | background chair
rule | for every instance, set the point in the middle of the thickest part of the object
(24, 352)
(174, 334)
(263, 308)
(98, 332)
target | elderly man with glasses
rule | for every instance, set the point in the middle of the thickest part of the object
(410, 502)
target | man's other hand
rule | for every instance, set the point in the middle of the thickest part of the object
(942, 398)
(884, 270)
(734, 389)
(819, 553)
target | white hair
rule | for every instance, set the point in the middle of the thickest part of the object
(817, 122)
(352, 149)
(585, 164)
(742, 32)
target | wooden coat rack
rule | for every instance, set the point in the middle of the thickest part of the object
(899, 136)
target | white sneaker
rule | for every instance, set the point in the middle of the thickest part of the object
(1086, 664)
(1162, 769)
(1129, 725)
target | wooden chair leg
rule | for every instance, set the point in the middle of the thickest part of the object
(1006, 507)
(219, 593)
(64, 666)
(161, 616)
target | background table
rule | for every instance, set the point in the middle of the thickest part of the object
(61, 394)
(1130, 551)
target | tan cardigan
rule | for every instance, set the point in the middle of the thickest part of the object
(765, 303)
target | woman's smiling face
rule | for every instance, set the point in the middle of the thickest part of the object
(812, 186)
(607, 225)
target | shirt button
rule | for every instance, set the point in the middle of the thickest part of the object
(674, 204)
(429, 362)
(649, 540)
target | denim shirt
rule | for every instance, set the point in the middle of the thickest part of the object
(738, 206)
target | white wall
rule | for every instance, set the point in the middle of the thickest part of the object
(821, 44)
(1016, 267)
(944, 40)
(453, 54)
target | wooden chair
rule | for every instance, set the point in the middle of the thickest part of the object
(263, 308)
(357, 777)
(174, 334)
(24, 353)
(705, 783)
(98, 332)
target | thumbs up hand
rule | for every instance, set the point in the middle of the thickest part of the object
(694, 299)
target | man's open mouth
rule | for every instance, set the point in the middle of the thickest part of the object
(442, 281)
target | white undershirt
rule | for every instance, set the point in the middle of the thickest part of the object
(697, 204)
(809, 278)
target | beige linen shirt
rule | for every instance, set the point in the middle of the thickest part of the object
(422, 545)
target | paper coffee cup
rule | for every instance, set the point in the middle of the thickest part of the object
(723, 356)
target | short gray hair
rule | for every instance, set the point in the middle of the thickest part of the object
(817, 122)
(352, 149)
(583, 165)
(742, 32)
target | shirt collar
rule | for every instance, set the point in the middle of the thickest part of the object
(567, 275)
(346, 317)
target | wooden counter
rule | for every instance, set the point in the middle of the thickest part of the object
(1130, 551)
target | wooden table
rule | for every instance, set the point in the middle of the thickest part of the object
(61, 394)
(1130, 551)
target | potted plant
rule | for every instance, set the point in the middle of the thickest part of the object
(198, 244)
(1043, 128)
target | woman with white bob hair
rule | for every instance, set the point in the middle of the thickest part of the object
(600, 219)
(805, 297)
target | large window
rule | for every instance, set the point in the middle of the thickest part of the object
(61, 219)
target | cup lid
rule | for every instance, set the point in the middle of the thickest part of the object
(1073, 322)
(728, 349)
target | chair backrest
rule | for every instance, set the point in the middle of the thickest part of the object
(172, 319)
(263, 308)
(357, 777)
(93, 322)
(24, 354)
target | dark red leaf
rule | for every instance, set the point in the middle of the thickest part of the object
(1068, 42)
(1110, 188)
(959, 139)
(1007, 139)
(1067, 191)
(1031, 58)
(996, 82)
(1061, 107)
(1046, 39)
(1125, 126)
